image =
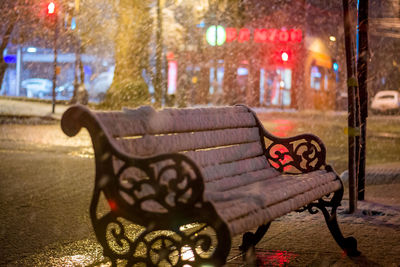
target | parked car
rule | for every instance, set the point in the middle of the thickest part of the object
(100, 85)
(386, 101)
(65, 90)
(37, 87)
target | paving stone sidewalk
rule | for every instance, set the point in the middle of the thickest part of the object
(379, 174)
(297, 239)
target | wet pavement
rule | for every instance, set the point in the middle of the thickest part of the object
(46, 185)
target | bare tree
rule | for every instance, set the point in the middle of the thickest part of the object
(8, 21)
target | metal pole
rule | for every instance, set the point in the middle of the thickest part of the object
(54, 65)
(351, 89)
(362, 71)
(18, 67)
(157, 86)
(215, 85)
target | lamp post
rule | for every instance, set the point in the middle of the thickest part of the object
(352, 88)
(52, 13)
(216, 48)
(362, 71)
(158, 94)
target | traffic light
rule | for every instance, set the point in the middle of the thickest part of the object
(51, 8)
(284, 56)
(335, 66)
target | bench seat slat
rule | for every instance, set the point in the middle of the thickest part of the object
(226, 154)
(136, 123)
(220, 162)
(292, 184)
(215, 172)
(229, 183)
(205, 110)
(157, 144)
(243, 201)
(260, 216)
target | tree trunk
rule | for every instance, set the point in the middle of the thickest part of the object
(158, 94)
(131, 42)
(3, 46)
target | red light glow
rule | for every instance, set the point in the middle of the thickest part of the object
(51, 8)
(275, 258)
(112, 204)
(283, 128)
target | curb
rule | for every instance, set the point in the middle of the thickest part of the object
(388, 173)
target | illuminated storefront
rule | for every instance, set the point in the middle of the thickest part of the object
(270, 67)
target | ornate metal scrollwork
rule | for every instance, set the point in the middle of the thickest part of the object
(299, 154)
(153, 198)
(158, 185)
(194, 245)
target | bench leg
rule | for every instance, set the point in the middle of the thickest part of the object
(349, 244)
(251, 239)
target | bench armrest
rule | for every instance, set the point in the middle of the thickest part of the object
(298, 154)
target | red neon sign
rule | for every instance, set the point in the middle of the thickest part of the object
(264, 35)
(231, 34)
(244, 35)
(260, 35)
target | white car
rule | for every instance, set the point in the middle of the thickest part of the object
(386, 101)
(37, 87)
(100, 85)
(65, 90)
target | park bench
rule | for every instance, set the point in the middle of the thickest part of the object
(181, 183)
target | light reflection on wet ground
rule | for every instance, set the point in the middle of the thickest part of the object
(282, 127)
(85, 152)
(80, 253)
(89, 253)
(272, 258)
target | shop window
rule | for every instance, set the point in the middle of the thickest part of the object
(326, 81)
(316, 78)
(275, 87)
(216, 84)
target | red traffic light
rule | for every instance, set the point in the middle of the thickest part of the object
(51, 8)
(285, 56)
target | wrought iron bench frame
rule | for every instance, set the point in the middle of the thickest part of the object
(300, 148)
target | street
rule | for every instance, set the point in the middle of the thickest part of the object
(42, 186)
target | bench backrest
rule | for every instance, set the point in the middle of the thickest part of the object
(210, 136)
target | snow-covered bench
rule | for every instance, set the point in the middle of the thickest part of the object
(180, 183)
